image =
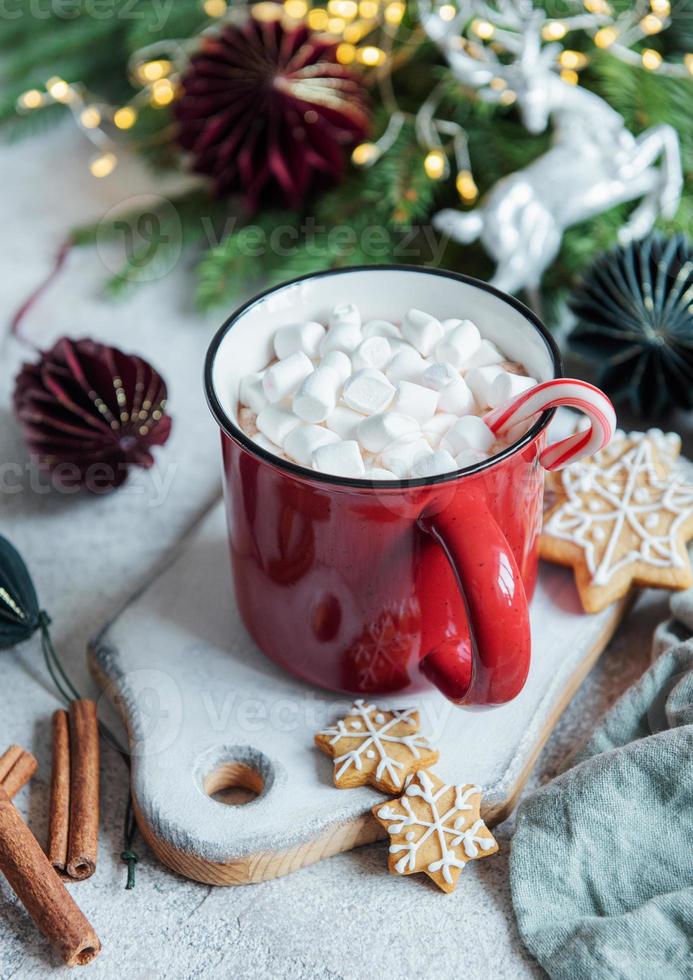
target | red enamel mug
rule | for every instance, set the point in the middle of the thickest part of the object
(379, 586)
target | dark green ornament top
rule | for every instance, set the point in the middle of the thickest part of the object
(20, 616)
(634, 308)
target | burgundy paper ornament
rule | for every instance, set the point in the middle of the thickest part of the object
(89, 412)
(267, 111)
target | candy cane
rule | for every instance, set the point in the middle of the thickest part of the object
(550, 394)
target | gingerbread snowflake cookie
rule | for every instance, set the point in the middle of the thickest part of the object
(435, 828)
(622, 518)
(375, 746)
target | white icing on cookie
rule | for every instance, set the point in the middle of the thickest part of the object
(448, 826)
(625, 505)
(374, 736)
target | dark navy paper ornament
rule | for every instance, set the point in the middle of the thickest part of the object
(635, 323)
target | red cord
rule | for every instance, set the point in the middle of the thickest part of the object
(18, 317)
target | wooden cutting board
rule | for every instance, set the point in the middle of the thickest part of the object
(209, 717)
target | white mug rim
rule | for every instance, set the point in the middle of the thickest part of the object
(229, 427)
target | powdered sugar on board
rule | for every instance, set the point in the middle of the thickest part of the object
(197, 694)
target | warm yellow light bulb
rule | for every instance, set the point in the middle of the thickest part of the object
(296, 9)
(394, 12)
(30, 100)
(435, 164)
(466, 187)
(483, 29)
(651, 59)
(447, 12)
(498, 84)
(163, 92)
(688, 62)
(90, 117)
(651, 24)
(150, 71)
(214, 8)
(572, 59)
(597, 6)
(125, 117)
(336, 25)
(343, 8)
(345, 53)
(365, 153)
(266, 12)
(605, 37)
(554, 30)
(661, 7)
(354, 31)
(317, 19)
(507, 97)
(570, 76)
(368, 9)
(103, 165)
(58, 89)
(371, 56)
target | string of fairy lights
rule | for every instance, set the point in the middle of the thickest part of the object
(367, 32)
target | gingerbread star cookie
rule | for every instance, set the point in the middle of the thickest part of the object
(435, 828)
(375, 746)
(621, 518)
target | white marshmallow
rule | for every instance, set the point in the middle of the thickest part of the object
(339, 362)
(304, 439)
(439, 462)
(485, 354)
(507, 385)
(299, 336)
(372, 352)
(450, 324)
(344, 421)
(345, 314)
(261, 440)
(318, 395)
(435, 428)
(469, 432)
(342, 336)
(251, 391)
(378, 431)
(438, 376)
(284, 377)
(381, 328)
(379, 473)
(416, 401)
(456, 398)
(406, 365)
(276, 423)
(339, 459)
(458, 346)
(368, 391)
(422, 330)
(480, 381)
(469, 457)
(400, 456)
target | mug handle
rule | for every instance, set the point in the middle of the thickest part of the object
(494, 668)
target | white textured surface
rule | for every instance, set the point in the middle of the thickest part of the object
(88, 554)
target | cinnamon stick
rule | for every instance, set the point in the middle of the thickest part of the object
(59, 813)
(83, 834)
(17, 766)
(40, 890)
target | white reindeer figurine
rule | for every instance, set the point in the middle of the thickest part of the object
(594, 163)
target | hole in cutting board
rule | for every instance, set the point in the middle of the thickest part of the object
(234, 783)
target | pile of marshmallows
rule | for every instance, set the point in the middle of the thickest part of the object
(376, 401)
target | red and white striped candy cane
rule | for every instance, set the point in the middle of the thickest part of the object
(550, 394)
